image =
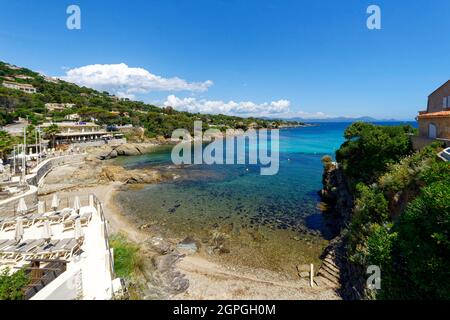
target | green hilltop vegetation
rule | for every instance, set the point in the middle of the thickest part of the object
(401, 214)
(105, 108)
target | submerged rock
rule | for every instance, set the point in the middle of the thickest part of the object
(188, 246)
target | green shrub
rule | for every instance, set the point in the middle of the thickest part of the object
(12, 285)
(127, 259)
(369, 149)
(424, 241)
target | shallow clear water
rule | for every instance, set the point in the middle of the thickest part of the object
(268, 221)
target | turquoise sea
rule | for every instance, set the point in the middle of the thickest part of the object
(267, 221)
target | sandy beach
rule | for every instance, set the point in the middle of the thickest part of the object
(171, 273)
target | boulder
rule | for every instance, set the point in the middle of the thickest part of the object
(159, 245)
(303, 268)
(117, 173)
(188, 246)
(128, 150)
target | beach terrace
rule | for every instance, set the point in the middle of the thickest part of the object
(64, 250)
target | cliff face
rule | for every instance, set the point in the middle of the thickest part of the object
(339, 200)
(336, 195)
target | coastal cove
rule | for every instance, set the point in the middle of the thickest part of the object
(236, 216)
(200, 234)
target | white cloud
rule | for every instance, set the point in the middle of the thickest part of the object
(124, 81)
(276, 109)
(245, 108)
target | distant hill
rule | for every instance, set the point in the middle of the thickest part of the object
(88, 104)
(345, 119)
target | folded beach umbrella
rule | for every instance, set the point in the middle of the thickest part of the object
(55, 202)
(77, 205)
(78, 230)
(41, 207)
(46, 231)
(22, 207)
(18, 232)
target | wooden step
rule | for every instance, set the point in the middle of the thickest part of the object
(332, 268)
(329, 260)
(324, 282)
(324, 273)
(331, 272)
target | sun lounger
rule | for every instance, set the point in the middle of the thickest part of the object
(70, 223)
(8, 225)
(7, 244)
(19, 252)
(62, 249)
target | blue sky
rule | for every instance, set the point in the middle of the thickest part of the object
(306, 58)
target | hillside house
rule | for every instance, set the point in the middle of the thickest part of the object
(434, 123)
(27, 88)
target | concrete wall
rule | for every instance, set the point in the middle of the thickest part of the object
(7, 207)
(65, 287)
(48, 165)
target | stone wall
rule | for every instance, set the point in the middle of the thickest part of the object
(435, 100)
(442, 127)
(419, 142)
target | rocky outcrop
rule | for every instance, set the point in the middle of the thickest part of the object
(336, 269)
(141, 176)
(128, 149)
(337, 197)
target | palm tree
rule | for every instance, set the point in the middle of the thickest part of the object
(51, 132)
(6, 144)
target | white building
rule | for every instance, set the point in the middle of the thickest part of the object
(27, 88)
(72, 117)
(23, 77)
(59, 106)
(65, 252)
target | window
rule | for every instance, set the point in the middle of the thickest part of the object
(446, 103)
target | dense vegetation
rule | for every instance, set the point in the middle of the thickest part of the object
(104, 108)
(127, 260)
(401, 217)
(369, 149)
(11, 286)
(128, 263)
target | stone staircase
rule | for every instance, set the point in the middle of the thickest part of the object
(329, 273)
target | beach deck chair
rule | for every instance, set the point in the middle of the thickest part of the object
(43, 251)
(65, 249)
(21, 251)
(8, 224)
(85, 219)
(7, 244)
(54, 249)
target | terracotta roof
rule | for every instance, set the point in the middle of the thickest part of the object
(439, 114)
